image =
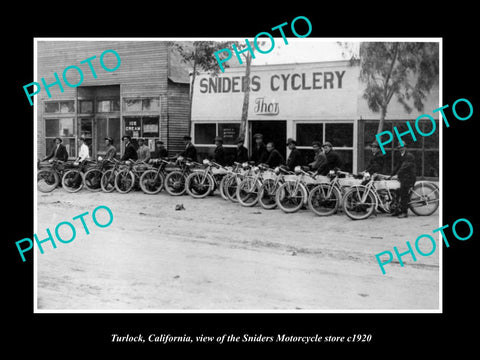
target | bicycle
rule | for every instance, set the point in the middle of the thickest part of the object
(271, 181)
(292, 195)
(73, 180)
(326, 198)
(248, 190)
(128, 177)
(232, 180)
(175, 178)
(201, 183)
(107, 181)
(49, 174)
(92, 177)
(152, 181)
(361, 201)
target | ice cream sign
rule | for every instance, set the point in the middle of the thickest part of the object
(266, 107)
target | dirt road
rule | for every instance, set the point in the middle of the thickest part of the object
(220, 255)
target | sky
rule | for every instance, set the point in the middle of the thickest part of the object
(300, 51)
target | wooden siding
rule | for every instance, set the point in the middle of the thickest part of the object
(178, 115)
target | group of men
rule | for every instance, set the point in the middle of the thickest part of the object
(325, 158)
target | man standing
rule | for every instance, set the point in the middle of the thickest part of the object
(59, 152)
(259, 151)
(160, 151)
(111, 151)
(241, 155)
(219, 153)
(130, 152)
(190, 151)
(375, 165)
(83, 153)
(319, 158)
(406, 173)
(295, 158)
(332, 159)
(143, 152)
(274, 157)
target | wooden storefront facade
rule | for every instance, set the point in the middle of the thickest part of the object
(147, 96)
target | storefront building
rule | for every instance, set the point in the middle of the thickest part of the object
(306, 102)
(147, 96)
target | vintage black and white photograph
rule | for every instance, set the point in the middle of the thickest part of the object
(201, 175)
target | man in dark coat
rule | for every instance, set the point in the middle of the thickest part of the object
(241, 155)
(332, 159)
(319, 158)
(376, 163)
(259, 151)
(59, 152)
(190, 151)
(295, 158)
(219, 152)
(130, 152)
(160, 151)
(406, 173)
(274, 157)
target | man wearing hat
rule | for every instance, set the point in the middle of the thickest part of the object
(332, 159)
(274, 157)
(376, 163)
(406, 173)
(190, 151)
(160, 151)
(295, 158)
(259, 151)
(83, 154)
(241, 155)
(130, 152)
(59, 152)
(219, 152)
(319, 158)
(111, 151)
(143, 152)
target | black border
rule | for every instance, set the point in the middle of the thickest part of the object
(400, 333)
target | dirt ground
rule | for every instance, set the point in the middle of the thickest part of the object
(220, 255)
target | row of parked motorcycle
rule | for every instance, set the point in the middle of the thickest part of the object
(357, 195)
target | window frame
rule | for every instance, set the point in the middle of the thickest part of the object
(228, 122)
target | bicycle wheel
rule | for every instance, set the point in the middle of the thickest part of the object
(248, 191)
(266, 198)
(290, 197)
(92, 180)
(424, 199)
(175, 183)
(72, 181)
(231, 188)
(107, 182)
(151, 182)
(124, 181)
(198, 184)
(222, 186)
(324, 199)
(47, 180)
(354, 207)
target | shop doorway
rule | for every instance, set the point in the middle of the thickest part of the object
(99, 117)
(273, 130)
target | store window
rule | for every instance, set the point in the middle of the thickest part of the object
(229, 133)
(63, 128)
(85, 106)
(307, 133)
(147, 127)
(141, 104)
(204, 134)
(339, 134)
(108, 105)
(59, 107)
(425, 149)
